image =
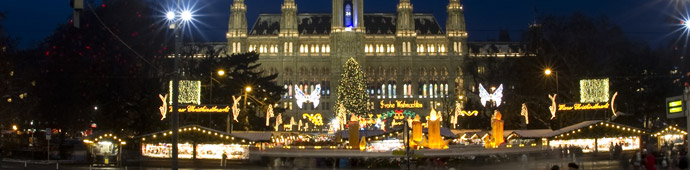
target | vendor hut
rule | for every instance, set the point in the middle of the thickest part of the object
(104, 149)
(670, 136)
(197, 142)
(597, 136)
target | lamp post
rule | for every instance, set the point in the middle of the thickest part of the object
(211, 79)
(176, 23)
(228, 120)
(548, 72)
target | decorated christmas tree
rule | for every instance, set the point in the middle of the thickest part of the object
(352, 90)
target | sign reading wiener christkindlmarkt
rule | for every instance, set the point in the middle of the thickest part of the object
(202, 109)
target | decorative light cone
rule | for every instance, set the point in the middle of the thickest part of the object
(434, 123)
(363, 144)
(416, 129)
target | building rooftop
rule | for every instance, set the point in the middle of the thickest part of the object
(320, 24)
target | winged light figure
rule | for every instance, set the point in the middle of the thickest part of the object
(235, 109)
(313, 97)
(496, 96)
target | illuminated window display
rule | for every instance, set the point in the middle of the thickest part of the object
(385, 145)
(604, 144)
(204, 151)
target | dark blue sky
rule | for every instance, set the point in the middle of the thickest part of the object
(642, 20)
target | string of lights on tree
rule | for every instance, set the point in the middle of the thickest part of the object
(352, 90)
(594, 90)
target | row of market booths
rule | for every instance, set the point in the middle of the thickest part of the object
(590, 136)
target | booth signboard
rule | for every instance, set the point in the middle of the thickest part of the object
(675, 107)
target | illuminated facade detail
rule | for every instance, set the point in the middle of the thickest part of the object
(190, 92)
(164, 107)
(235, 108)
(495, 97)
(553, 108)
(525, 113)
(594, 90)
(302, 98)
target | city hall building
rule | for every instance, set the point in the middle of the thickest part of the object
(411, 63)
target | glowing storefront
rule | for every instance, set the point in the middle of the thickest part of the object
(670, 135)
(596, 135)
(104, 149)
(196, 142)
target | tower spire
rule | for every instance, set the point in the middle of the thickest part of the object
(455, 28)
(288, 19)
(405, 25)
(237, 27)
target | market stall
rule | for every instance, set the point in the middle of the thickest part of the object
(596, 136)
(196, 142)
(104, 149)
(670, 136)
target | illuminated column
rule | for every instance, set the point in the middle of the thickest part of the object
(353, 132)
(416, 129)
(434, 126)
(497, 128)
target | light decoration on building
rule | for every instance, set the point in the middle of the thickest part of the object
(164, 107)
(235, 108)
(302, 98)
(495, 97)
(553, 108)
(269, 114)
(190, 92)
(613, 103)
(316, 119)
(525, 113)
(594, 90)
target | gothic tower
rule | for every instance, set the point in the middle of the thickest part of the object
(237, 28)
(347, 34)
(289, 35)
(405, 29)
(455, 29)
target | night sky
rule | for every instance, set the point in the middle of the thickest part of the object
(648, 21)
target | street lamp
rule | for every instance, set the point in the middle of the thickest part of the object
(219, 73)
(176, 23)
(548, 72)
(14, 127)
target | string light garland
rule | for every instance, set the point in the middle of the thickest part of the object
(594, 90)
(190, 92)
(194, 132)
(606, 125)
(669, 130)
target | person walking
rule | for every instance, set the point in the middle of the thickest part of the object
(637, 160)
(650, 162)
(224, 160)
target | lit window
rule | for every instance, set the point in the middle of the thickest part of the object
(317, 49)
(290, 47)
(328, 48)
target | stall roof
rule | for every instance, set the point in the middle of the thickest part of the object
(572, 127)
(251, 136)
(669, 130)
(532, 133)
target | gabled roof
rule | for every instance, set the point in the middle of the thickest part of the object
(221, 135)
(320, 24)
(532, 133)
(573, 127)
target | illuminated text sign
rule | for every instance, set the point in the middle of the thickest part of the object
(675, 106)
(202, 109)
(400, 104)
(583, 106)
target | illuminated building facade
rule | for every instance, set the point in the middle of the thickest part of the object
(407, 57)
